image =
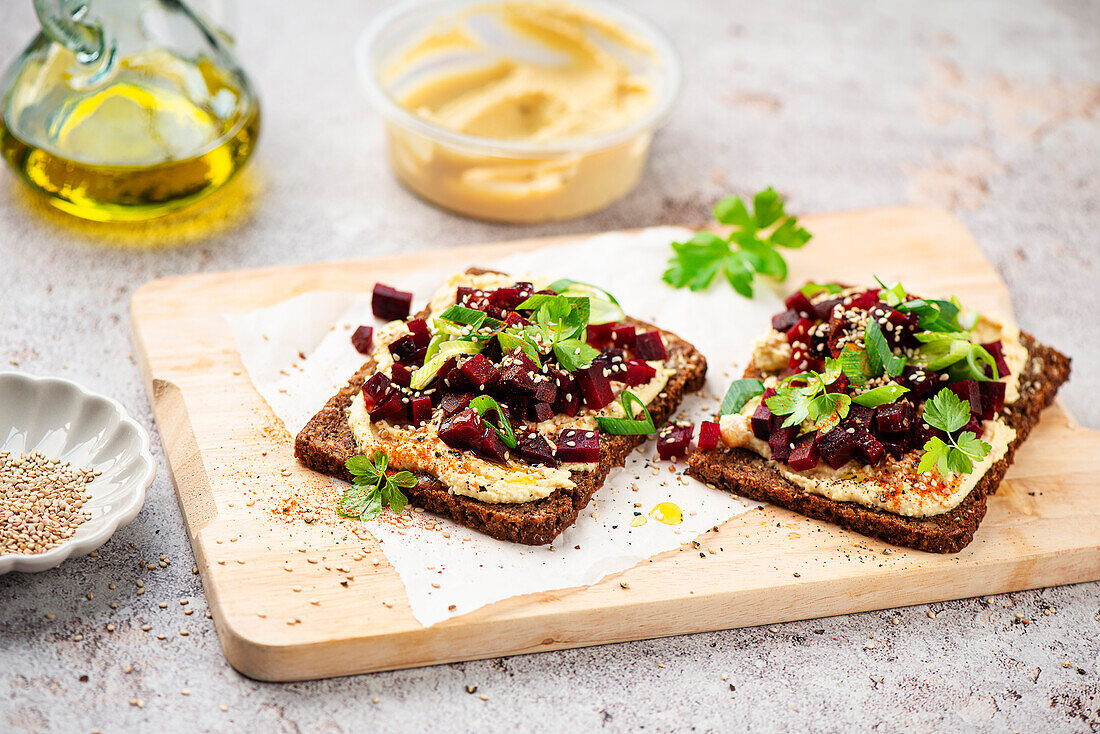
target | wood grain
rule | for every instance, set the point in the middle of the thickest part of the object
(1042, 528)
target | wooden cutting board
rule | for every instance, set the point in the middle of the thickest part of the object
(226, 450)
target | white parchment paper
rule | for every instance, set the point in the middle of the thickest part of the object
(454, 570)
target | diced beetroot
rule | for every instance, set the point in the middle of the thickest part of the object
(840, 384)
(804, 455)
(462, 429)
(539, 412)
(800, 332)
(801, 360)
(895, 448)
(868, 448)
(420, 333)
(798, 301)
(515, 404)
(594, 386)
(974, 425)
(404, 349)
(993, 398)
(391, 408)
(674, 440)
(453, 402)
(968, 390)
(638, 372)
(650, 346)
(785, 320)
(376, 389)
(578, 446)
(598, 334)
(506, 299)
(568, 403)
(780, 442)
(860, 415)
(400, 374)
(420, 409)
(762, 421)
(478, 371)
(389, 303)
(709, 435)
(363, 339)
(921, 382)
(893, 418)
(623, 336)
(534, 449)
(866, 299)
(514, 319)
(997, 351)
(823, 311)
(490, 447)
(836, 447)
(614, 360)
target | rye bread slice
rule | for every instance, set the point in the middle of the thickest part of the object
(748, 474)
(327, 442)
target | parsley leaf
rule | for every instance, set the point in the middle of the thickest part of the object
(880, 395)
(372, 488)
(748, 251)
(879, 355)
(810, 403)
(948, 412)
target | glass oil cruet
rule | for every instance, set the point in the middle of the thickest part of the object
(124, 110)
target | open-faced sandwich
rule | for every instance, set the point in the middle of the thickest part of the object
(888, 414)
(508, 401)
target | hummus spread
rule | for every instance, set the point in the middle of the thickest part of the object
(896, 485)
(560, 84)
(419, 449)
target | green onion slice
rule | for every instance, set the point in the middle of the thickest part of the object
(423, 376)
(483, 404)
(628, 426)
(739, 393)
(603, 307)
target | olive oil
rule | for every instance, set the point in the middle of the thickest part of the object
(138, 147)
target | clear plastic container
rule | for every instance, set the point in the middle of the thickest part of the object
(508, 180)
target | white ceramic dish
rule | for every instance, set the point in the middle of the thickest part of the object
(64, 421)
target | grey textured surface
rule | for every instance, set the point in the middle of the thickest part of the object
(989, 109)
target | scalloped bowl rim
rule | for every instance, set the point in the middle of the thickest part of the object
(135, 489)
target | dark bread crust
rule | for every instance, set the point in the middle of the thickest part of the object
(750, 475)
(327, 442)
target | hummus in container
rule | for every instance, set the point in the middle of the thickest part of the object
(518, 111)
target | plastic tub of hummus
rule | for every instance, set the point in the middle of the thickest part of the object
(518, 111)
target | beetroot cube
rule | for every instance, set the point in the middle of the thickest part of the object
(836, 447)
(896, 447)
(391, 408)
(400, 374)
(860, 415)
(514, 319)
(921, 382)
(823, 311)
(594, 386)
(968, 390)
(650, 346)
(709, 435)
(376, 389)
(598, 334)
(582, 447)
(478, 371)
(993, 398)
(534, 449)
(800, 332)
(840, 384)
(997, 351)
(568, 401)
(404, 349)
(363, 339)
(453, 402)
(462, 429)
(868, 448)
(762, 421)
(419, 330)
(798, 301)
(674, 440)
(539, 412)
(420, 409)
(785, 320)
(623, 336)
(490, 447)
(866, 299)
(638, 372)
(893, 418)
(389, 303)
(804, 454)
(974, 425)
(780, 442)
(506, 299)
